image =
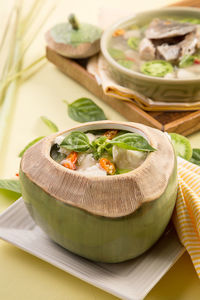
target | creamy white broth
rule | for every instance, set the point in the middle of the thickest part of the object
(137, 48)
(86, 163)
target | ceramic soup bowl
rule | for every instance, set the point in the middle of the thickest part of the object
(165, 89)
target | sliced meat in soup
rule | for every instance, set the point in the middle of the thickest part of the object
(188, 45)
(147, 50)
(169, 52)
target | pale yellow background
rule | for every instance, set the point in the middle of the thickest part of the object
(23, 276)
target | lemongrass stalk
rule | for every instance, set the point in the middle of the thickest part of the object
(12, 73)
(39, 28)
(9, 96)
(9, 43)
(5, 33)
(21, 72)
(36, 33)
(29, 18)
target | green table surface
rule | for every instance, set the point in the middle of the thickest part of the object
(23, 276)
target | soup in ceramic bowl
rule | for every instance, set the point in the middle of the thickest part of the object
(156, 53)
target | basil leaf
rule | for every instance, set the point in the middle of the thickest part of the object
(195, 159)
(85, 110)
(10, 185)
(99, 147)
(51, 125)
(132, 141)
(30, 144)
(55, 154)
(76, 141)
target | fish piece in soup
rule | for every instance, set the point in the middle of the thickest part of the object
(147, 50)
(127, 159)
(169, 52)
(188, 45)
(159, 29)
(85, 161)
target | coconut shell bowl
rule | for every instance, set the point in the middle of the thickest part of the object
(110, 218)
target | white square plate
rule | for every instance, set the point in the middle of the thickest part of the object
(131, 280)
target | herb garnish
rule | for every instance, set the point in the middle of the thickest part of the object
(76, 141)
(79, 142)
(85, 110)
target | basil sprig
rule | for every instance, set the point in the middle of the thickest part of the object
(85, 110)
(79, 142)
(99, 146)
(76, 141)
(132, 141)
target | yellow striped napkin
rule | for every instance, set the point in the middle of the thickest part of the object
(186, 216)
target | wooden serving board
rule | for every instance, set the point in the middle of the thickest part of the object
(185, 123)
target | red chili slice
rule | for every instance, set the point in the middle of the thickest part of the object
(70, 161)
(107, 166)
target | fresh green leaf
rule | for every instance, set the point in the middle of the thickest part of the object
(10, 185)
(133, 42)
(76, 141)
(126, 63)
(55, 154)
(116, 53)
(195, 159)
(85, 110)
(132, 141)
(99, 147)
(51, 125)
(30, 144)
(186, 61)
